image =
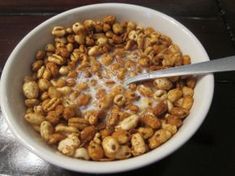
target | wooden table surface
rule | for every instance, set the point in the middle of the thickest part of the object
(211, 151)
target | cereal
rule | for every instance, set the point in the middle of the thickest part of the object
(68, 145)
(75, 97)
(138, 144)
(31, 89)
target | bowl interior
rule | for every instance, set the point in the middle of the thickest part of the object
(19, 65)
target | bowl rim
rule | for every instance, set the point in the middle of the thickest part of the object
(88, 166)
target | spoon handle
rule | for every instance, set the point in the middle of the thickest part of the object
(217, 65)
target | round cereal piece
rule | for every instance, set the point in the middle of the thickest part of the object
(110, 146)
(95, 151)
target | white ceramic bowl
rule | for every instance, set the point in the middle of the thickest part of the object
(18, 65)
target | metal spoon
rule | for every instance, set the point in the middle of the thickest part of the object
(218, 65)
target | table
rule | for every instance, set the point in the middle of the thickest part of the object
(211, 151)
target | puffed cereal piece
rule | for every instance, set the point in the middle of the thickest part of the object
(31, 89)
(129, 122)
(158, 138)
(95, 151)
(187, 102)
(174, 95)
(124, 152)
(146, 132)
(119, 100)
(160, 108)
(121, 136)
(138, 144)
(81, 153)
(46, 129)
(68, 145)
(34, 118)
(163, 84)
(151, 120)
(110, 146)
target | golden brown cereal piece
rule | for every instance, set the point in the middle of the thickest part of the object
(81, 86)
(55, 138)
(64, 70)
(187, 102)
(77, 122)
(78, 28)
(160, 108)
(187, 91)
(31, 89)
(50, 104)
(53, 117)
(145, 91)
(171, 128)
(58, 31)
(105, 102)
(68, 145)
(53, 68)
(57, 59)
(68, 112)
(158, 138)
(54, 93)
(92, 117)
(102, 41)
(119, 100)
(64, 90)
(130, 95)
(88, 133)
(186, 60)
(46, 129)
(174, 120)
(93, 51)
(110, 146)
(106, 59)
(105, 132)
(62, 128)
(144, 61)
(129, 122)
(174, 94)
(89, 24)
(117, 28)
(37, 65)
(121, 136)
(138, 144)
(163, 83)
(146, 132)
(117, 90)
(95, 151)
(151, 120)
(38, 109)
(34, 118)
(133, 108)
(83, 99)
(109, 19)
(124, 152)
(43, 84)
(31, 102)
(180, 112)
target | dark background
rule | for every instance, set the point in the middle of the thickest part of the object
(211, 151)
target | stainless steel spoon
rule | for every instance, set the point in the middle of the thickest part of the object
(217, 65)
